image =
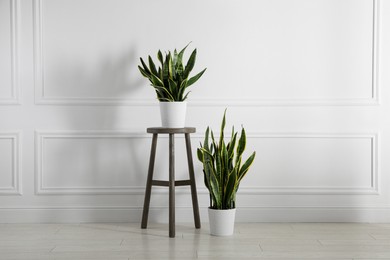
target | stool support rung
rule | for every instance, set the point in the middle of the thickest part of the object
(182, 183)
(160, 183)
(166, 183)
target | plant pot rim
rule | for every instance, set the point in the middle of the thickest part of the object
(222, 209)
(173, 101)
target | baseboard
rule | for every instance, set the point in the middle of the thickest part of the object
(184, 214)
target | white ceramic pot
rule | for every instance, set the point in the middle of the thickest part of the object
(222, 221)
(173, 114)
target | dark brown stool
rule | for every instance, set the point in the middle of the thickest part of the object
(171, 183)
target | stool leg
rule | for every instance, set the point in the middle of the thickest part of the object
(171, 186)
(148, 189)
(195, 205)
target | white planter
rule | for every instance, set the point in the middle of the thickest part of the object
(222, 221)
(173, 114)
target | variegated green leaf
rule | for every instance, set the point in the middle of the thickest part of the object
(222, 129)
(241, 144)
(195, 78)
(160, 57)
(152, 66)
(190, 64)
(172, 87)
(143, 72)
(156, 81)
(230, 187)
(245, 167)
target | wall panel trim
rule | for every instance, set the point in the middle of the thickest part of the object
(16, 187)
(42, 99)
(14, 24)
(39, 149)
(373, 189)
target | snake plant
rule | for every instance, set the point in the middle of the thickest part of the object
(171, 79)
(222, 166)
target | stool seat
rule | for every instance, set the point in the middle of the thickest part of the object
(172, 182)
(163, 130)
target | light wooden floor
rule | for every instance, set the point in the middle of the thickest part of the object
(250, 241)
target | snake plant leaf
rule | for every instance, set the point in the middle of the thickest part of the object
(184, 84)
(160, 57)
(186, 95)
(233, 134)
(195, 78)
(174, 70)
(181, 90)
(190, 64)
(218, 165)
(174, 58)
(143, 72)
(215, 191)
(199, 154)
(145, 67)
(231, 139)
(232, 145)
(161, 95)
(152, 66)
(222, 129)
(163, 99)
(165, 93)
(172, 86)
(179, 69)
(245, 167)
(206, 171)
(156, 81)
(206, 179)
(165, 69)
(224, 155)
(213, 182)
(212, 138)
(207, 153)
(170, 66)
(230, 186)
(183, 87)
(206, 139)
(181, 53)
(180, 94)
(241, 144)
(225, 164)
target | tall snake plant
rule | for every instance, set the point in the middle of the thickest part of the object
(222, 166)
(171, 79)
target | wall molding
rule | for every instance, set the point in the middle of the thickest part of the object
(375, 52)
(373, 189)
(40, 189)
(40, 136)
(14, 36)
(16, 187)
(42, 99)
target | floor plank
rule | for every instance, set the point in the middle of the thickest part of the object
(125, 241)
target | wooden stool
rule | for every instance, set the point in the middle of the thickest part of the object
(171, 183)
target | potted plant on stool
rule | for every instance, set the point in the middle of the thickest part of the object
(170, 82)
(223, 170)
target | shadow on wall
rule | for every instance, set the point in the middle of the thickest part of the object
(111, 78)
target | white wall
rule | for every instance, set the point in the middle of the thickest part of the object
(307, 78)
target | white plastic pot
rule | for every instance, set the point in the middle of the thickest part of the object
(173, 114)
(222, 221)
